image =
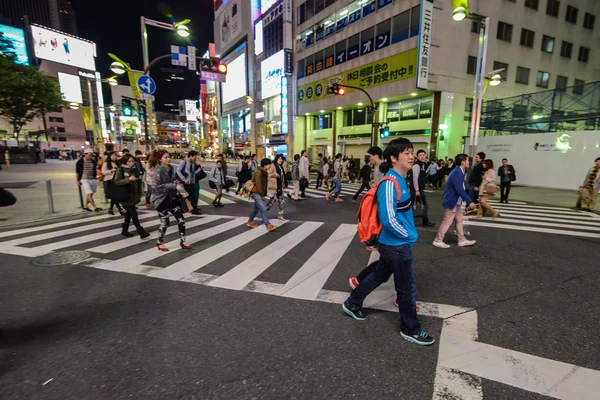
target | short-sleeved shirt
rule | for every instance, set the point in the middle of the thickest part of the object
(337, 167)
(88, 170)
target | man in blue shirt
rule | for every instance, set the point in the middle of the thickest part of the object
(397, 236)
(454, 195)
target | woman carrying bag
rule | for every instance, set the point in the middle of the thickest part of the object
(128, 175)
(487, 189)
(164, 190)
(217, 182)
(109, 167)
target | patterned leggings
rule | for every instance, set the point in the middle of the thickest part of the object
(164, 209)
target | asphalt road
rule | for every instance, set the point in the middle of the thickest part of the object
(130, 323)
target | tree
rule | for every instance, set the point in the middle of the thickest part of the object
(25, 92)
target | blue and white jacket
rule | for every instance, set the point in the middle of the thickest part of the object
(395, 214)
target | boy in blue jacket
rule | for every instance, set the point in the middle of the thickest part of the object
(396, 239)
(454, 195)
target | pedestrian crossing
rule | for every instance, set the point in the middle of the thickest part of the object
(542, 219)
(314, 258)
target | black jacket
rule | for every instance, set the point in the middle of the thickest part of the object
(476, 175)
(511, 170)
(365, 172)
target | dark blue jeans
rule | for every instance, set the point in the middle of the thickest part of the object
(397, 260)
(259, 207)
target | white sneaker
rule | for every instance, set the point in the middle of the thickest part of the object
(465, 243)
(441, 245)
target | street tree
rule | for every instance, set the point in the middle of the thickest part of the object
(25, 92)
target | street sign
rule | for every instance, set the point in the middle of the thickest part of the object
(212, 76)
(144, 96)
(178, 56)
(146, 84)
(192, 58)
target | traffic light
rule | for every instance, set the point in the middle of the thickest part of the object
(213, 65)
(127, 107)
(336, 89)
(384, 132)
(141, 106)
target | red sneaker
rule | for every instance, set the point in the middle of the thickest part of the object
(353, 282)
(397, 305)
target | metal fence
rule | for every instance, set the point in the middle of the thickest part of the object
(575, 108)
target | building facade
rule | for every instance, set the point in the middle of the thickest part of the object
(56, 14)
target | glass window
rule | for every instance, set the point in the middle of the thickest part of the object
(578, 88)
(400, 27)
(309, 65)
(366, 40)
(500, 65)
(472, 65)
(542, 79)
(319, 6)
(357, 117)
(547, 44)
(584, 54)
(301, 13)
(322, 121)
(566, 49)
(552, 7)
(475, 27)
(588, 21)
(527, 38)
(340, 52)
(504, 31)
(329, 3)
(300, 69)
(353, 46)
(522, 75)
(310, 9)
(415, 20)
(571, 14)
(319, 63)
(329, 55)
(347, 118)
(533, 4)
(384, 27)
(561, 81)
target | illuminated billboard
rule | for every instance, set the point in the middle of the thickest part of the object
(64, 49)
(271, 71)
(70, 88)
(235, 87)
(17, 36)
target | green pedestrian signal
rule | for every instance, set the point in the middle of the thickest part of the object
(127, 107)
(384, 132)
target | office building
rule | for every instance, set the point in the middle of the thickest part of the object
(56, 14)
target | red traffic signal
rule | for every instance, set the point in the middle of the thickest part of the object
(222, 68)
(336, 89)
(341, 91)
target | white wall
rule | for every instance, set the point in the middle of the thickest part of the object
(561, 160)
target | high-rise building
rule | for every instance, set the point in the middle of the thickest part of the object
(56, 14)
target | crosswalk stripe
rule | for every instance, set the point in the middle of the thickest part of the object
(535, 210)
(558, 217)
(511, 202)
(145, 256)
(211, 195)
(533, 229)
(79, 229)
(47, 248)
(124, 243)
(525, 205)
(310, 278)
(553, 224)
(190, 264)
(526, 218)
(248, 270)
(308, 194)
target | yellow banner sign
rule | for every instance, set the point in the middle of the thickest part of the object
(133, 78)
(387, 70)
(88, 122)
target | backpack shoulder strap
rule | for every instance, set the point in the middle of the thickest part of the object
(390, 178)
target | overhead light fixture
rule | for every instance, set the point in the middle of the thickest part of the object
(384, 99)
(359, 104)
(112, 82)
(112, 108)
(306, 113)
(118, 68)
(340, 107)
(495, 80)
(459, 13)
(74, 106)
(413, 94)
(327, 22)
(343, 12)
(321, 111)
(183, 30)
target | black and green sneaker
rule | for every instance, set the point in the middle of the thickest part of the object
(357, 315)
(421, 338)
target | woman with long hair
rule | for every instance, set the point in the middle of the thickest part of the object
(326, 177)
(279, 171)
(149, 175)
(489, 179)
(129, 174)
(109, 167)
(217, 177)
(164, 190)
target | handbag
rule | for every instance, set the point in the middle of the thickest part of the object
(490, 189)
(419, 210)
(99, 175)
(249, 186)
(212, 185)
(116, 193)
(303, 183)
(229, 183)
(288, 176)
(200, 175)
(184, 204)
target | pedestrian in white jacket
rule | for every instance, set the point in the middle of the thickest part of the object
(304, 173)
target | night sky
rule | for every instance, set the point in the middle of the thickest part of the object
(121, 34)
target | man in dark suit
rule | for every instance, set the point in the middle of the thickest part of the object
(476, 177)
(506, 173)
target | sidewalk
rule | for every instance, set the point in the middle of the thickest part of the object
(28, 183)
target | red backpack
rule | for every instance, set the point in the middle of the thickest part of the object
(369, 226)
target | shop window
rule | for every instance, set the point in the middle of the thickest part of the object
(366, 41)
(322, 121)
(340, 52)
(357, 117)
(383, 34)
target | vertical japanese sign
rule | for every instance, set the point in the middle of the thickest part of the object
(425, 32)
(284, 105)
(191, 58)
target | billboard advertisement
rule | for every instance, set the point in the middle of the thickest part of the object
(64, 49)
(271, 71)
(70, 87)
(17, 36)
(229, 26)
(236, 85)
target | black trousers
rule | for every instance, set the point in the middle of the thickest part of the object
(319, 180)
(190, 188)
(504, 190)
(423, 200)
(365, 185)
(131, 216)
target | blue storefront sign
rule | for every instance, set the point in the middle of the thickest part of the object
(320, 34)
(382, 40)
(342, 23)
(353, 52)
(17, 37)
(330, 30)
(368, 9)
(366, 47)
(383, 3)
(340, 57)
(310, 40)
(354, 16)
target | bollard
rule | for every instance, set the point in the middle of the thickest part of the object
(49, 192)
(80, 195)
